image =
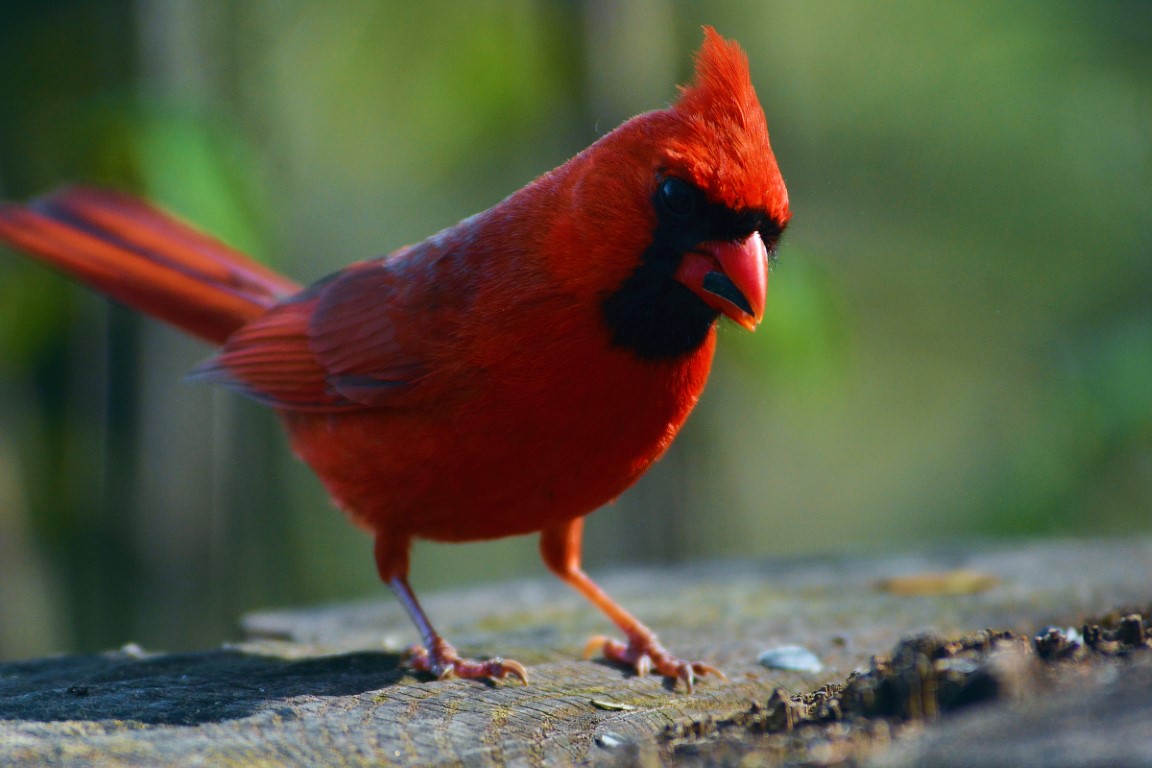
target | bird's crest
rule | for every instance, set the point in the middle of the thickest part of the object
(724, 147)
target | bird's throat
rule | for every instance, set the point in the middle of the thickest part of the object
(655, 316)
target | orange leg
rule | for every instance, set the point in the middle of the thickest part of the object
(560, 548)
(436, 655)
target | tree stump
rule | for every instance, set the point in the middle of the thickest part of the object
(327, 686)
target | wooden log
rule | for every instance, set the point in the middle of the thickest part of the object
(326, 686)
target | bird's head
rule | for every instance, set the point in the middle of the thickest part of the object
(693, 195)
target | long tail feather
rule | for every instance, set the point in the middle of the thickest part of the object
(146, 259)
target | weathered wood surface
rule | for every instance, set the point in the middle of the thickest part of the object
(317, 687)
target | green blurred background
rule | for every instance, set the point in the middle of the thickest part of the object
(959, 339)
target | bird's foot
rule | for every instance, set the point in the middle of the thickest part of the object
(645, 655)
(443, 661)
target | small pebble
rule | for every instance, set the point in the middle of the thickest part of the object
(793, 658)
(133, 650)
(609, 740)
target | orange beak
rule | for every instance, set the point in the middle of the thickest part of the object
(730, 276)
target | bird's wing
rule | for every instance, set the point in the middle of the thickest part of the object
(377, 334)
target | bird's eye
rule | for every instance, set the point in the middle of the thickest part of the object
(677, 197)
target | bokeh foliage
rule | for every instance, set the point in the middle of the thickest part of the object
(959, 337)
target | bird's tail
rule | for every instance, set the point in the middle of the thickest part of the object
(145, 258)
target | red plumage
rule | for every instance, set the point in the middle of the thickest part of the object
(508, 375)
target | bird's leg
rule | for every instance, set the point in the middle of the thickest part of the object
(560, 548)
(436, 655)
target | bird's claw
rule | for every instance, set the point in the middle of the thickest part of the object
(443, 661)
(644, 655)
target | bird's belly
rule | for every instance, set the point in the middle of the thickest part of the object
(510, 460)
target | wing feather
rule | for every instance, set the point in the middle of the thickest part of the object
(381, 333)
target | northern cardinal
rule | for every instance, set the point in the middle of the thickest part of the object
(508, 375)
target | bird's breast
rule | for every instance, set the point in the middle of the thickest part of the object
(549, 429)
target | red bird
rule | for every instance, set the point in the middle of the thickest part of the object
(509, 374)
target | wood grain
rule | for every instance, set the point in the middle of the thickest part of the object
(326, 686)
